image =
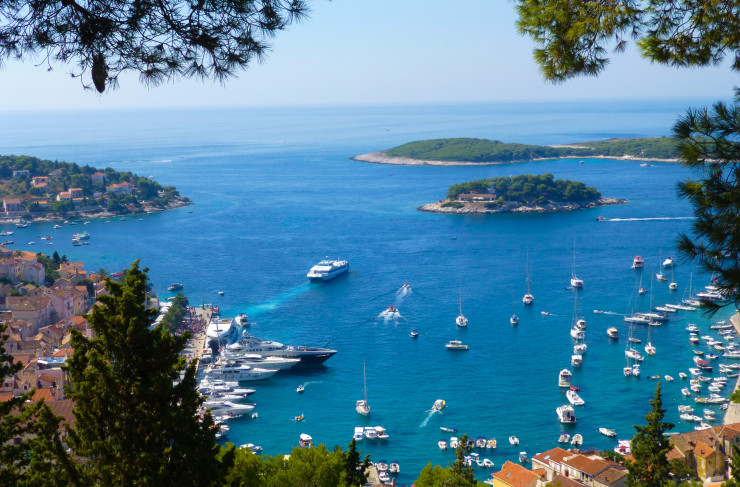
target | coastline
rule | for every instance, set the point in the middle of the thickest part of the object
(381, 157)
(179, 202)
(478, 207)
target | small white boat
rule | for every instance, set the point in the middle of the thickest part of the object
(523, 457)
(384, 477)
(453, 442)
(668, 262)
(607, 432)
(514, 320)
(613, 332)
(359, 434)
(480, 442)
(577, 440)
(442, 444)
(305, 441)
(576, 360)
(513, 440)
(636, 370)
(456, 345)
(438, 405)
(566, 414)
(299, 389)
(449, 429)
(627, 371)
(685, 392)
(574, 398)
(564, 378)
(491, 444)
(668, 378)
(564, 438)
(638, 262)
(394, 467)
(623, 447)
(487, 463)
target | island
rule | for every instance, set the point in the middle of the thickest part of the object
(39, 189)
(469, 151)
(526, 193)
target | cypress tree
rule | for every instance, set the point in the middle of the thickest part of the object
(136, 413)
(650, 448)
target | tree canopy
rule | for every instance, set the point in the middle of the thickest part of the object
(528, 188)
(159, 40)
(574, 37)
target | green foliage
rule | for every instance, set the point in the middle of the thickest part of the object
(709, 145)
(159, 41)
(573, 37)
(528, 188)
(307, 466)
(734, 481)
(494, 151)
(355, 470)
(650, 467)
(136, 418)
(434, 476)
(452, 204)
(51, 266)
(176, 313)
(458, 475)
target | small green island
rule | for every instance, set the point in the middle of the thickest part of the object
(39, 189)
(526, 193)
(469, 151)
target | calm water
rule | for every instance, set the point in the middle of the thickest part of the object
(274, 191)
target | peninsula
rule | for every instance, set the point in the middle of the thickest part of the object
(468, 151)
(523, 194)
(38, 189)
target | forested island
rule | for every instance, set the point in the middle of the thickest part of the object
(524, 193)
(462, 151)
(33, 188)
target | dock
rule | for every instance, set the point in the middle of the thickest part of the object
(198, 340)
(733, 410)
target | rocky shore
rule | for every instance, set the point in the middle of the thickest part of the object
(515, 207)
(382, 158)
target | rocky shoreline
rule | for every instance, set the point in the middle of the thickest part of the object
(179, 202)
(381, 157)
(514, 207)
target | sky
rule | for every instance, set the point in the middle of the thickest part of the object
(379, 52)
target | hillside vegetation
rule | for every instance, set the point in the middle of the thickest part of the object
(528, 188)
(489, 151)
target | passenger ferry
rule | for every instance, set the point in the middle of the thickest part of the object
(327, 269)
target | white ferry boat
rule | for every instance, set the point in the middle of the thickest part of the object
(327, 269)
(220, 328)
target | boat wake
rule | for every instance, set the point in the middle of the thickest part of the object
(307, 383)
(403, 292)
(649, 219)
(278, 300)
(390, 315)
(429, 416)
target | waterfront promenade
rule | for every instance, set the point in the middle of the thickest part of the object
(198, 319)
(733, 410)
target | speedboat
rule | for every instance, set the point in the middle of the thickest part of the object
(576, 360)
(380, 433)
(453, 442)
(438, 405)
(564, 438)
(487, 463)
(305, 441)
(480, 442)
(623, 447)
(613, 332)
(359, 433)
(574, 398)
(564, 378)
(685, 392)
(514, 320)
(442, 444)
(607, 432)
(394, 467)
(642, 290)
(327, 269)
(449, 429)
(456, 345)
(384, 477)
(299, 389)
(577, 440)
(637, 262)
(299, 418)
(566, 414)
(241, 320)
(391, 310)
(513, 440)
(523, 457)
(668, 378)
(413, 334)
(491, 443)
(668, 262)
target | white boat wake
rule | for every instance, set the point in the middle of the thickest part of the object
(390, 315)
(277, 301)
(403, 292)
(306, 384)
(648, 219)
(429, 416)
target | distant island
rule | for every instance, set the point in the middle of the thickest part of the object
(39, 189)
(468, 151)
(525, 194)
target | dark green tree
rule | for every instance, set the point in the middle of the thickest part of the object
(316, 467)
(159, 40)
(136, 419)
(434, 476)
(355, 469)
(734, 480)
(650, 448)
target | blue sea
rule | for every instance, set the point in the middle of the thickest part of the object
(274, 191)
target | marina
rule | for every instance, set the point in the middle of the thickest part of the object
(257, 245)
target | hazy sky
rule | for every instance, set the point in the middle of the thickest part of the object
(379, 52)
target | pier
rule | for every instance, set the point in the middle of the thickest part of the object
(733, 410)
(198, 339)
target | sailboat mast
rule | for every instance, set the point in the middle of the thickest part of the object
(364, 380)
(528, 272)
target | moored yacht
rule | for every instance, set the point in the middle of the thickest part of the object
(613, 332)
(566, 414)
(327, 269)
(637, 262)
(269, 348)
(456, 345)
(220, 328)
(564, 378)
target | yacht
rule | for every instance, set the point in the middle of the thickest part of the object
(241, 320)
(607, 432)
(564, 378)
(220, 328)
(238, 372)
(613, 332)
(269, 348)
(668, 262)
(227, 408)
(175, 286)
(566, 414)
(278, 363)
(327, 269)
(456, 345)
(576, 360)
(574, 398)
(637, 262)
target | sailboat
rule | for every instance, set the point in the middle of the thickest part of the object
(528, 298)
(461, 320)
(649, 348)
(660, 276)
(688, 297)
(514, 320)
(673, 285)
(362, 406)
(575, 282)
(577, 333)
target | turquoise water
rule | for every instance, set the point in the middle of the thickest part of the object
(274, 191)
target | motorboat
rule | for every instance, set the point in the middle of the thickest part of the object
(523, 457)
(612, 332)
(637, 262)
(384, 477)
(394, 467)
(577, 440)
(480, 442)
(414, 334)
(456, 345)
(241, 320)
(251, 344)
(564, 378)
(361, 406)
(278, 363)
(491, 444)
(574, 398)
(623, 447)
(359, 433)
(227, 408)
(668, 378)
(487, 463)
(633, 354)
(381, 433)
(391, 310)
(635, 340)
(438, 405)
(566, 414)
(627, 371)
(449, 429)
(513, 440)
(545, 313)
(453, 442)
(607, 432)
(381, 466)
(238, 372)
(564, 438)
(299, 418)
(668, 262)
(576, 360)
(685, 391)
(642, 290)
(327, 269)
(305, 441)
(442, 444)
(636, 370)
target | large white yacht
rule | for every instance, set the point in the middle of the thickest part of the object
(566, 414)
(255, 360)
(238, 372)
(220, 328)
(564, 378)
(327, 269)
(269, 348)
